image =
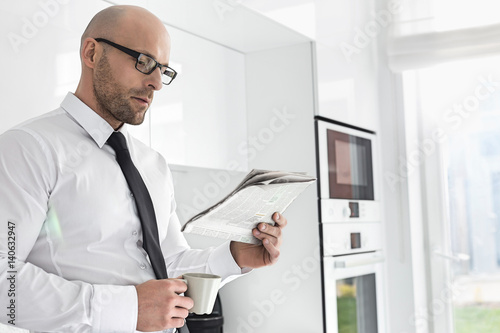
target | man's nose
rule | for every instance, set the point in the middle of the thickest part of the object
(155, 79)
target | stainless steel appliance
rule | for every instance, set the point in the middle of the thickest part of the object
(351, 229)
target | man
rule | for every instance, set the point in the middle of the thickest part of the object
(69, 215)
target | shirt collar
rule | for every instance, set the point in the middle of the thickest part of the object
(98, 128)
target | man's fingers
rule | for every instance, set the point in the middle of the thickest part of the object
(273, 251)
(160, 306)
(280, 220)
(176, 322)
(185, 303)
(178, 285)
(270, 232)
(267, 229)
(180, 313)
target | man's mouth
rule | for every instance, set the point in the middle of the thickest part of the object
(143, 100)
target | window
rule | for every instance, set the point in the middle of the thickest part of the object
(461, 101)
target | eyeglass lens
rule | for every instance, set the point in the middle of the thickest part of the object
(146, 64)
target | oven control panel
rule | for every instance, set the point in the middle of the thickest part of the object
(348, 238)
(334, 210)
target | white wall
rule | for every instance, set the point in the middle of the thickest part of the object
(39, 59)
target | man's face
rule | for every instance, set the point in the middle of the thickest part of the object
(119, 88)
(120, 98)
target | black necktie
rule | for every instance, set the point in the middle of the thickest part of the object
(151, 240)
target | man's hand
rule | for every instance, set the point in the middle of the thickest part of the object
(161, 306)
(255, 256)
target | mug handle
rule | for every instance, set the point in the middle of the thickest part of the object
(183, 280)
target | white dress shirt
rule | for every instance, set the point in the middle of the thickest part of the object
(78, 236)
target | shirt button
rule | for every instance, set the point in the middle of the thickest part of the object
(134, 233)
(131, 194)
(143, 266)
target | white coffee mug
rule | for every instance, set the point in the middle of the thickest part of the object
(202, 288)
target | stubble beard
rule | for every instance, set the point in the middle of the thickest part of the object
(112, 99)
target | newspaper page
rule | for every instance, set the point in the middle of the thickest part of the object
(255, 199)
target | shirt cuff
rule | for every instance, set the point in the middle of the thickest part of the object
(114, 308)
(221, 262)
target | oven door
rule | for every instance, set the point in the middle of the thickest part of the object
(354, 293)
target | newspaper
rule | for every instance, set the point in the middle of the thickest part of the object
(259, 195)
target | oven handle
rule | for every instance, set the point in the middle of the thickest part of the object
(360, 262)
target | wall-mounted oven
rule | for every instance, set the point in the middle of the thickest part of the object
(351, 229)
(348, 173)
(353, 293)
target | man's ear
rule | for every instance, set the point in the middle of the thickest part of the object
(89, 52)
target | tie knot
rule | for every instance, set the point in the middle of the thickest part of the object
(117, 141)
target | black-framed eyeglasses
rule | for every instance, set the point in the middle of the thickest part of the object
(144, 63)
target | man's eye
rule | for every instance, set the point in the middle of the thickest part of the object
(145, 61)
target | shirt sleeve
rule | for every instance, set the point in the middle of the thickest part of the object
(39, 300)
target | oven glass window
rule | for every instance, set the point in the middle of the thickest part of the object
(357, 304)
(349, 166)
(350, 159)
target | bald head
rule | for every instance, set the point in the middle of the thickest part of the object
(110, 83)
(131, 26)
(115, 21)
